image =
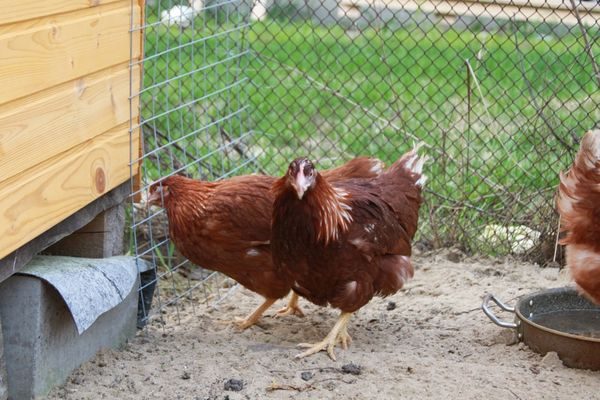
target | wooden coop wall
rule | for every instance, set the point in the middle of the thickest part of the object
(64, 108)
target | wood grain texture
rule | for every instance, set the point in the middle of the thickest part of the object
(16, 260)
(42, 53)
(42, 196)
(22, 10)
(52, 122)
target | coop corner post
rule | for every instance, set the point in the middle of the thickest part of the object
(146, 274)
(136, 149)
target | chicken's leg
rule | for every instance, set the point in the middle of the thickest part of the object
(292, 308)
(339, 334)
(251, 319)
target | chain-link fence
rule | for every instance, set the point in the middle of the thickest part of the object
(499, 90)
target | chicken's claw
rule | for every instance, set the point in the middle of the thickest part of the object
(327, 345)
(244, 323)
(339, 334)
(240, 323)
(315, 348)
(345, 339)
(292, 308)
(287, 310)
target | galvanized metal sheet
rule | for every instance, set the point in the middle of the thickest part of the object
(89, 286)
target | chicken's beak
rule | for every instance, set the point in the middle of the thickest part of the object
(300, 184)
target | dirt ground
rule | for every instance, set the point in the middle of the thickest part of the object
(430, 341)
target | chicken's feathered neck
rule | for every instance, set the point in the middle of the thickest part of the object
(328, 207)
(187, 200)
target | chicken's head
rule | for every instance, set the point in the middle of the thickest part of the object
(158, 193)
(301, 175)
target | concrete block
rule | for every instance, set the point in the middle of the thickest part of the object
(42, 345)
(101, 238)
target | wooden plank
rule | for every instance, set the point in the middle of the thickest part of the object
(513, 12)
(46, 194)
(16, 260)
(543, 4)
(553, 11)
(22, 10)
(63, 48)
(590, 6)
(47, 124)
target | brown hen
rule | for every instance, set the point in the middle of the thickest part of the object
(341, 243)
(578, 203)
(225, 226)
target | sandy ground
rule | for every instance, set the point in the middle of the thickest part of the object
(435, 343)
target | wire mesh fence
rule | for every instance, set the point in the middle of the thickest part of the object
(500, 91)
(193, 122)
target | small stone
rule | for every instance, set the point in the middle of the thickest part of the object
(235, 385)
(391, 306)
(551, 361)
(507, 337)
(186, 375)
(351, 369)
(534, 369)
(306, 376)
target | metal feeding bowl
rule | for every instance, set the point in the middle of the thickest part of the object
(558, 320)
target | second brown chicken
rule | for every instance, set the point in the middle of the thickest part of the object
(344, 242)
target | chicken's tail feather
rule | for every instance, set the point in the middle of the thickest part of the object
(412, 163)
(359, 167)
(377, 166)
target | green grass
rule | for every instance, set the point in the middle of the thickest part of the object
(501, 154)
